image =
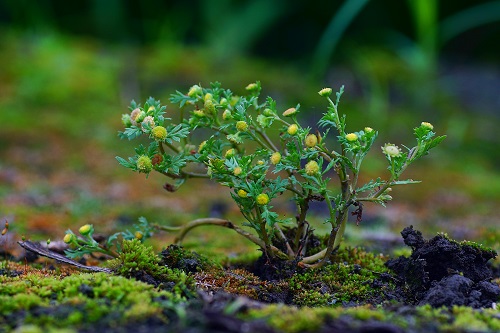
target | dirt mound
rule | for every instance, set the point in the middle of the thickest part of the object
(443, 272)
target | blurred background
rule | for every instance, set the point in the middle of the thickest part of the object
(70, 69)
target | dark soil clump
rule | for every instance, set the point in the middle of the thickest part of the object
(443, 272)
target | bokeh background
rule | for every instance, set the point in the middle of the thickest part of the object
(68, 70)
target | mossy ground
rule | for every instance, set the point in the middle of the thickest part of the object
(355, 291)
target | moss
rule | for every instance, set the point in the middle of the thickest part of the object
(78, 300)
(353, 276)
(139, 261)
(178, 257)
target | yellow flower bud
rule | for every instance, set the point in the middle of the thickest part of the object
(289, 112)
(262, 199)
(325, 92)
(242, 193)
(237, 171)
(275, 158)
(209, 106)
(312, 168)
(241, 126)
(230, 153)
(351, 137)
(68, 238)
(292, 129)
(208, 96)
(311, 140)
(85, 230)
(252, 87)
(260, 162)
(194, 90)
(199, 113)
(427, 125)
(138, 235)
(201, 146)
(227, 115)
(151, 109)
(368, 130)
(159, 133)
(144, 164)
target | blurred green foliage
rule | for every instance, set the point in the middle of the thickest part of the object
(69, 67)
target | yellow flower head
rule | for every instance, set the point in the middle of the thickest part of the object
(144, 164)
(159, 133)
(237, 171)
(138, 235)
(262, 199)
(351, 137)
(275, 158)
(325, 92)
(311, 140)
(292, 129)
(241, 126)
(85, 230)
(312, 168)
(368, 130)
(242, 193)
(427, 125)
(289, 112)
(68, 238)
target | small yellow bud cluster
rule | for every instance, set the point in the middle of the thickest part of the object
(144, 164)
(275, 158)
(311, 140)
(138, 235)
(292, 129)
(312, 168)
(242, 193)
(325, 92)
(241, 126)
(351, 137)
(262, 199)
(368, 130)
(159, 133)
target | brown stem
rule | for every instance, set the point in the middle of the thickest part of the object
(227, 224)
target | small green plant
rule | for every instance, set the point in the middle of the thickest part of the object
(86, 244)
(261, 153)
